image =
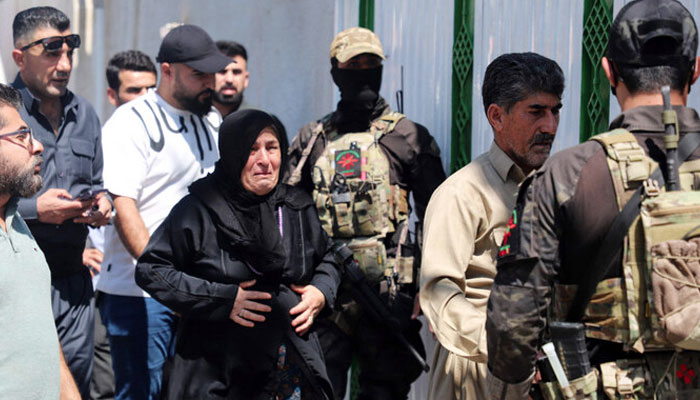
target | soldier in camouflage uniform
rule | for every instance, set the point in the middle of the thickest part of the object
(360, 163)
(564, 211)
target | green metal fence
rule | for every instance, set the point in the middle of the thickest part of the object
(367, 14)
(595, 89)
(462, 77)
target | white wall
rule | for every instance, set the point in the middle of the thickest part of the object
(552, 28)
(287, 43)
(418, 36)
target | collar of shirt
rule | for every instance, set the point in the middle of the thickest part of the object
(10, 211)
(503, 165)
(648, 119)
(68, 101)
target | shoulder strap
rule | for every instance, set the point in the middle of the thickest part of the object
(392, 118)
(614, 136)
(385, 124)
(603, 261)
(382, 125)
(295, 177)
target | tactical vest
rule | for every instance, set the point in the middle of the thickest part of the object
(655, 305)
(356, 202)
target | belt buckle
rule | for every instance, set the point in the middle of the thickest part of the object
(651, 187)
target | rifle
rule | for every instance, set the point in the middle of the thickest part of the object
(670, 140)
(399, 95)
(371, 303)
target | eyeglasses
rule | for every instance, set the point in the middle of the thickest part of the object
(55, 43)
(24, 135)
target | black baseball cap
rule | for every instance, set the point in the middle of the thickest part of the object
(648, 33)
(192, 46)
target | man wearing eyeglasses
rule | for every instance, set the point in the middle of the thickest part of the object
(69, 129)
(32, 365)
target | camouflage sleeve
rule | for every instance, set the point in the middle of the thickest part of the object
(500, 390)
(527, 266)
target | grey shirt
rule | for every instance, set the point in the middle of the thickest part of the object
(29, 358)
(72, 161)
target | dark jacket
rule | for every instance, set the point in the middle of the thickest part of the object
(190, 268)
(72, 161)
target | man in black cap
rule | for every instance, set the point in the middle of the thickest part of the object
(154, 148)
(564, 213)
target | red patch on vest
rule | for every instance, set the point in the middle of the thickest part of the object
(347, 163)
(685, 374)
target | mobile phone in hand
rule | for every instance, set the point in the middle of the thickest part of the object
(88, 195)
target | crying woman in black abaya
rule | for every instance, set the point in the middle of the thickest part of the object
(245, 262)
(253, 148)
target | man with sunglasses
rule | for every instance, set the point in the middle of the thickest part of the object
(68, 127)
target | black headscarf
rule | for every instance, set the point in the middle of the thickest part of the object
(246, 220)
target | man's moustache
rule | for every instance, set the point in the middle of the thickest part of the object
(542, 138)
(38, 160)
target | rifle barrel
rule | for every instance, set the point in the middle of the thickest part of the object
(670, 119)
(370, 301)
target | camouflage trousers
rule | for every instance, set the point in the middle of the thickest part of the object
(659, 376)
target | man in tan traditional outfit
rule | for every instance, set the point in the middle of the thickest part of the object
(468, 215)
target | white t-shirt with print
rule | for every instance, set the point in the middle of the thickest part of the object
(152, 153)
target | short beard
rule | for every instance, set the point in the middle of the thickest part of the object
(17, 182)
(234, 100)
(193, 104)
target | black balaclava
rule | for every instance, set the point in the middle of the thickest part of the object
(359, 97)
(247, 220)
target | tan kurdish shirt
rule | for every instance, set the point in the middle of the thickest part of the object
(464, 226)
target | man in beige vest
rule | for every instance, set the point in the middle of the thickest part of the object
(467, 216)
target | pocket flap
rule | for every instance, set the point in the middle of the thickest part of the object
(82, 147)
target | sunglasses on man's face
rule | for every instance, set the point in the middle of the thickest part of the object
(55, 43)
